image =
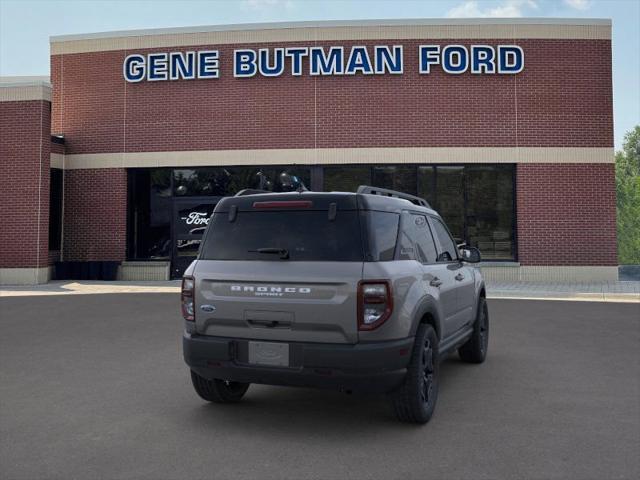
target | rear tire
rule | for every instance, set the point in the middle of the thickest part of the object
(475, 350)
(415, 400)
(218, 391)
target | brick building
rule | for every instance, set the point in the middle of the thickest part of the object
(505, 126)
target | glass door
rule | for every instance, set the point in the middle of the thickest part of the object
(190, 220)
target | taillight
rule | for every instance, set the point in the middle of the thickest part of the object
(375, 303)
(187, 298)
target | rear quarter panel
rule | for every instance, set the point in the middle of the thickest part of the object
(408, 295)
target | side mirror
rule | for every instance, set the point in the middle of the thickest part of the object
(470, 254)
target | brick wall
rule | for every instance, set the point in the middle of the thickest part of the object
(566, 214)
(95, 207)
(562, 98)
(57, 148)
(24, 196)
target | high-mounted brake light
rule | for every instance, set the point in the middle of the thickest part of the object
(375, 303)
(187, 298)
(284, 204)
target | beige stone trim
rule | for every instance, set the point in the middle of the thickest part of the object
(341, 156)
(26, 79)
(143, 271)
(544, 273)
(22, 93)
(57, 160)
(24, 276)
(438, 29)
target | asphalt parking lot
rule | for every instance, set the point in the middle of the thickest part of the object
(93, 386)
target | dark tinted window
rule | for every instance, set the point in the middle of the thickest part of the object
(427, 184)
(150, 206)
(416, 242)
(221, 181)
(477, 204)
(449, 249)
(55, 209)
(346, 178)
(490, 215)
(306, 235)
(450, 198)
(395, 177)
(383, 233)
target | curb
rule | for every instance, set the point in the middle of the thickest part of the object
(566, 297)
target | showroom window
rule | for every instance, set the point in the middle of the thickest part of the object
(395, 177)
(222, 181)
(346, 178)
(449, 198)
(490, 214)
(427, 183)
(476, 201)
(164, 201)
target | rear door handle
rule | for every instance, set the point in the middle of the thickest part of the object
(436, 282)
(459, 277)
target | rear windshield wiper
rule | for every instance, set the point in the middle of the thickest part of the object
(283, 252)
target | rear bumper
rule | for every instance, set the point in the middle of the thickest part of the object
(364, 367)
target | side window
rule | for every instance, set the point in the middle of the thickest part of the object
(448, 252)
(416, 242)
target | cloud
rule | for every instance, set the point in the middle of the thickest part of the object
(508, 8)
(578, 4)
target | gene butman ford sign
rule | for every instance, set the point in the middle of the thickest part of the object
(327, 61)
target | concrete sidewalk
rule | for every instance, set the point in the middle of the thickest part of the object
(594, 292)
(83, 287)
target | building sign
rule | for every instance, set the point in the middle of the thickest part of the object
(324, 61)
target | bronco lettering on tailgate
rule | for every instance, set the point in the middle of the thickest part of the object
(269, 291)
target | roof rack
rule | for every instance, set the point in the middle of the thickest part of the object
(392, 193)
(250, 191)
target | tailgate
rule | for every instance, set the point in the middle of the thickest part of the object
(281, 301)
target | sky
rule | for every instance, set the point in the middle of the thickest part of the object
(25, 26)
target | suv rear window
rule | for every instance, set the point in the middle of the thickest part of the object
(305, 235)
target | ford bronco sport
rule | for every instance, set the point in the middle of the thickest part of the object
(361, 291)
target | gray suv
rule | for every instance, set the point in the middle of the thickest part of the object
(362, 292)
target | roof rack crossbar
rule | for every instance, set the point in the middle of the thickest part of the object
(392, 193)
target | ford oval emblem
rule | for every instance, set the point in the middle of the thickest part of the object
(207, 308)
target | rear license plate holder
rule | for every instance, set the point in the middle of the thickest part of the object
(269, 353)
